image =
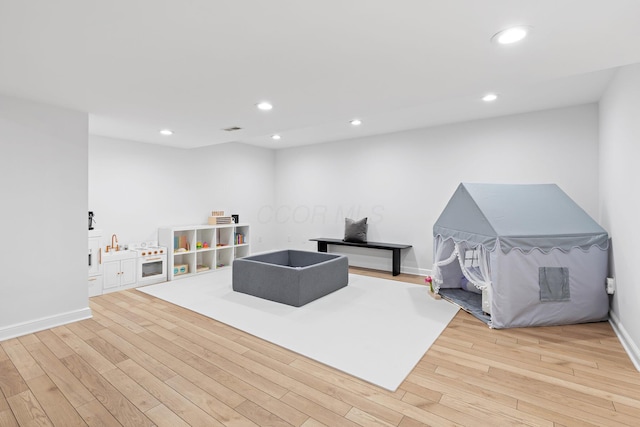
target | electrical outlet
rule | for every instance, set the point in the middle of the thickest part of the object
(611, 285)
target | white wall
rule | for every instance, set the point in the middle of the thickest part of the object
(135, 188)
(620, 198)
(43, 182)
(402, 181)
(239, 180)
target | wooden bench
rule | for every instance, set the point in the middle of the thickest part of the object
(394, 247)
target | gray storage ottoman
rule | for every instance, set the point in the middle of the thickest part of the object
(290, 277)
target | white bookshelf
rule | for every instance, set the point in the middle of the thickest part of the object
(219, 246)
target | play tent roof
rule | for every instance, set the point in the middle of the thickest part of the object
(519, 216)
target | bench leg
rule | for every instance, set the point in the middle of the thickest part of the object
(322, 246)
(396, 261)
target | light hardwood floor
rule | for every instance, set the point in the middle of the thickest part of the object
(141, 361)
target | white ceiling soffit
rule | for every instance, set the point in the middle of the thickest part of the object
(198, 67)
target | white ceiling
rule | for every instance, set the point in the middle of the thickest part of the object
(198, 66)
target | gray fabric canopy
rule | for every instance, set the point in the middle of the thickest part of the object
(518, 216)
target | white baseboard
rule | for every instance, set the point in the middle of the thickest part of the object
(415, 271)
(630, 347)
(20, 329)
(385, 267)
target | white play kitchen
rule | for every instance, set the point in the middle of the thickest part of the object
(184, 251)
(115, 267)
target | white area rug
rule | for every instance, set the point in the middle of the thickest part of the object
(374, 329)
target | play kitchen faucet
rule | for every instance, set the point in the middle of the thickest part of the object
(114, 244)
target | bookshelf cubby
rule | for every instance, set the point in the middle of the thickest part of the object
(200, 249)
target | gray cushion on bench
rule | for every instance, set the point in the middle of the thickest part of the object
(355, 231)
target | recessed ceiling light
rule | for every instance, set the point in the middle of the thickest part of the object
(276, 137)
(356, 122)
(264, 106)
(490, 97)
(166, 132)
(511, 35)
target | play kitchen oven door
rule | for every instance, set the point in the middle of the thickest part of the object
(152, 269)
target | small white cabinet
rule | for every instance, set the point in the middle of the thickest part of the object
(95, 252)
(119, 273)
(95, 285)
(95, 263)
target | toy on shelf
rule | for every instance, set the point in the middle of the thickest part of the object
(218, 217)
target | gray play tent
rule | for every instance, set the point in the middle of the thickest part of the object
(535, 256)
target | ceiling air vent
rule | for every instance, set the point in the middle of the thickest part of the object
(232, 129)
